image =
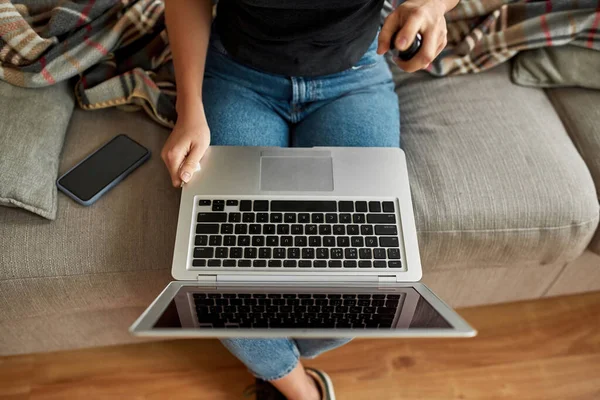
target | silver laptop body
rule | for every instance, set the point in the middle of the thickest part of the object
(263, 230)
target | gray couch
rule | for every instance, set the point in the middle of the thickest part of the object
(502, 179)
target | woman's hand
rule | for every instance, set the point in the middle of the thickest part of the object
(186, 145)
(412, 17)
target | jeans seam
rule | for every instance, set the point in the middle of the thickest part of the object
(296, 354)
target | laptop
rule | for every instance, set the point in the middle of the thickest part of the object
(298, 242)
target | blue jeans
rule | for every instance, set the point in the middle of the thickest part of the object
(247, 107)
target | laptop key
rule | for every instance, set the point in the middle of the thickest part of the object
(283, 229)
(350, 264)
(204, 203)
(351, 253)
(229, 263)
(259, 263)
(218, 206)
(262, 217)
(320, 264)
(395, 264)
(308, 253)
(388, 242)
(287, 241)
(204, 252)
(244, 263)
(374, 206)
(314, 241)
(258, 241)
(297, 229)
(325, 230)
(305, 263)
(322, 253)
(365, 264)
(388, 206)
(357, 241)
(304, 218)
(272, 241)
(215, 240)
(235, 252)
(198, 263)
(393, 254)
(264, 252)
(352, 230)
(250, 252)
(343, 241)
(366, 230)
(254, 229)
(214, 263)
(339, 230)
(358, 218)
(248, 217)
(293, 252)
(221, 252)
(335, 264)
(329, 241)
(331, 218)
(381, 218)
(246, 205)
(346, 206)
(371, 241)
(207, 229)
(289, 218)
(231, 203)
(212, 217)
(302, 205)
(289, 263)
(337, 254)
(269, 229)
(365, 254)
(276, 218)
(279, 253)
(361, 206)
(261, 205)
(226, 228)
(310, 229)
(274, 263)
(201, 240)
(386, 230)
(241, 229)
(345, 218)
(318, 218)
(300, 241)
(379, 254)
(243, 240)
(235, 217)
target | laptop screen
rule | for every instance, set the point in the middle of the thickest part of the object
(299, 308)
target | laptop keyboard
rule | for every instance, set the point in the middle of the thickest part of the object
(296, 234)
(296, 310)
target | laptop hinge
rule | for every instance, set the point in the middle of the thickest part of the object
(387, 278)
(207, 278)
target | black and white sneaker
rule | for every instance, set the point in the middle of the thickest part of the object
(323, 382)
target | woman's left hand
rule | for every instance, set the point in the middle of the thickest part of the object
(408, 19)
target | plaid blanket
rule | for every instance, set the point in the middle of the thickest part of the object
(485, 33)
(118, 50)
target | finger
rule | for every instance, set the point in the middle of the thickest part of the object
(190, 164)
(443, 40)
(408, 33)
(173, 158)
(390, 26)
(431, 42)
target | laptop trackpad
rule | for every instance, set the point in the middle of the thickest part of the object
(305, 173)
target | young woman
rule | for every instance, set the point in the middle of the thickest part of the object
(289, 73)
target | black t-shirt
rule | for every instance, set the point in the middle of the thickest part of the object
(298, 37)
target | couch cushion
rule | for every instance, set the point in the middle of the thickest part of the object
(131, 228)
(494, 176)
(32, 131)
(579, 110)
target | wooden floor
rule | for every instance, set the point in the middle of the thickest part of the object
(546, 349)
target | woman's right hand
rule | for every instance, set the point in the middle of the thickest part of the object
(186, 144)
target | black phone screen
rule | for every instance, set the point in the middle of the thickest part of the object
(103, 167)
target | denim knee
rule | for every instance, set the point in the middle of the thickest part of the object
(311, 348)
(267, 359)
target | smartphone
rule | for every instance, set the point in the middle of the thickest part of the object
(102, 170)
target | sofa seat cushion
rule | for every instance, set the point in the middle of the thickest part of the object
(131, 228)
(494, 175)
(579, 110)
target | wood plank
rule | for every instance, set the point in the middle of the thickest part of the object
(540, 350)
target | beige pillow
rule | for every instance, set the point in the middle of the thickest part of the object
(33, 124)
(557, 67)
